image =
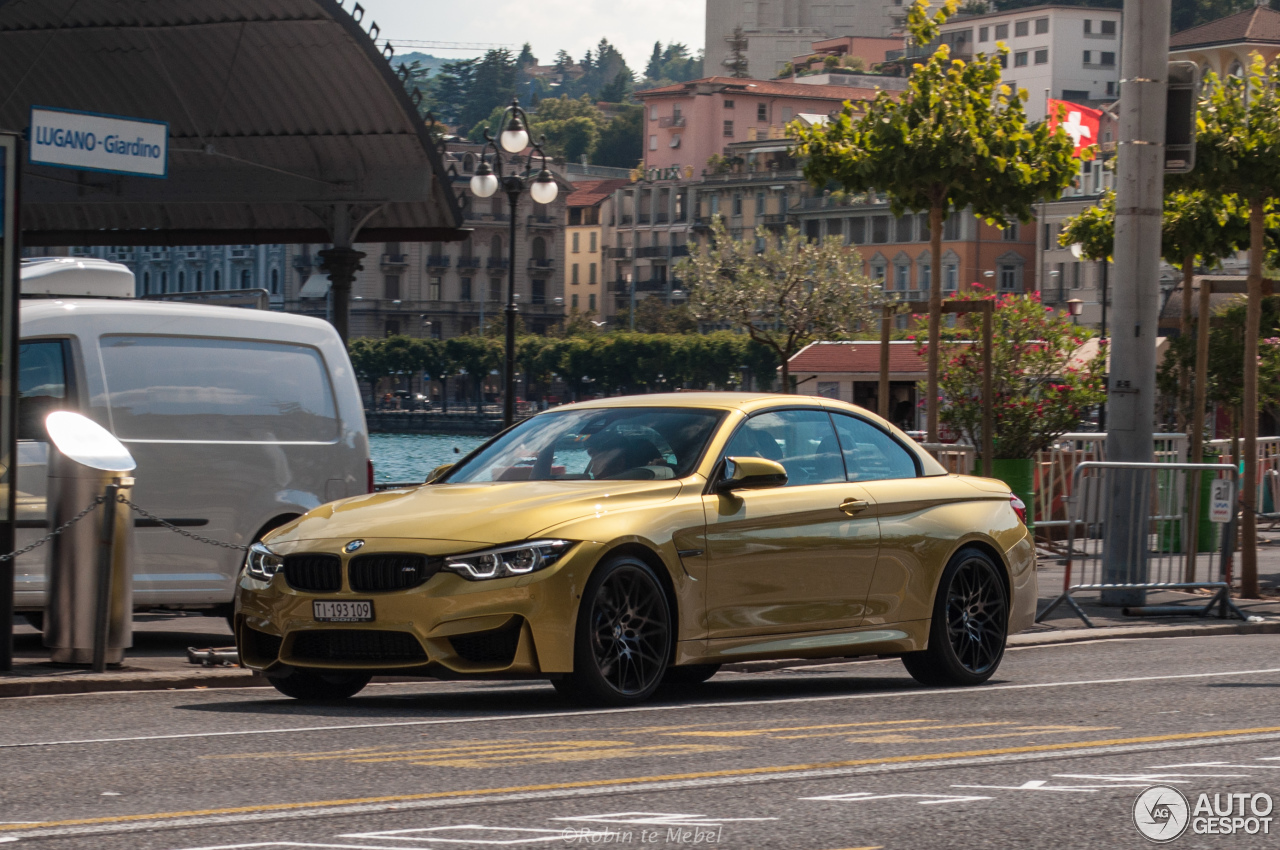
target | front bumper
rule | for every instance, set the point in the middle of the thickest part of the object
(447, 626)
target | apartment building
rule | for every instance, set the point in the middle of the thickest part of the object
(1064, 52)
(777, 31)
(586, 210)
(442, 290)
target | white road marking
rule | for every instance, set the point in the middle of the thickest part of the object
(503, 836)
(659, 819)
(1217, 764)
(643, 787)
(1043, 785)
(952, 693)
(1151, 778)
(922, 799)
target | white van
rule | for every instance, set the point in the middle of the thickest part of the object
(240, 420)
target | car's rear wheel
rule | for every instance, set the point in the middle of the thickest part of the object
(970, 624)
(623, 638)
(314, 685)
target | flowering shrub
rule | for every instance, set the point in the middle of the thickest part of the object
(1040, 385)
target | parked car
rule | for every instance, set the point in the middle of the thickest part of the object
(240, 421)
(612, 545)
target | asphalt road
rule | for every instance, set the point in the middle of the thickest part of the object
(1053, 753)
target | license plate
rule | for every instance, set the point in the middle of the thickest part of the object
(360, 611)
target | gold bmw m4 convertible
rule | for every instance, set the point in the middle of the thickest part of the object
(615, 545)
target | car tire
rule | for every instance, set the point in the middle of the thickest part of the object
(690, 674)
(312, 685)
(969, 627)
(623, 638)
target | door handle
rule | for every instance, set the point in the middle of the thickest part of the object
(853, 506)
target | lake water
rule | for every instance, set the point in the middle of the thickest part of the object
(409, 457)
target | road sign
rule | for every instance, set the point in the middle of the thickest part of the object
(1221, 500)
(91, 142)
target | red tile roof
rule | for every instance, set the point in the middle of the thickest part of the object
(1259, 24)
(588, 193)
(772, 88)
(858, 356)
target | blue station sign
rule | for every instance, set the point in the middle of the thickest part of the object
(92, 142)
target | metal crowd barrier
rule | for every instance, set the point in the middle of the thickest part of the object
(1267, 498)
(1156, 555)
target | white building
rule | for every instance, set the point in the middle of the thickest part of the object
(777, 30)
(166, 269)
(1064, 52)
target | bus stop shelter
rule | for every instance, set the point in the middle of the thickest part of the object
(286, 123)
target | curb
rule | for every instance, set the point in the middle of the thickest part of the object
(88, 683)
(85, 683)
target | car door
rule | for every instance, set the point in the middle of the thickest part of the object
(794, 558)
(915, 529)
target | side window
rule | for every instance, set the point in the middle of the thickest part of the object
(869, 453)
(801, 440)
(42, 385)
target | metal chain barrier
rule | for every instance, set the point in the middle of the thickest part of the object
(209, 540)
(52, 534)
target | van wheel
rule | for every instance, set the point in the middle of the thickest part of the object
(623, 636)
(970, 624)
(311, 685)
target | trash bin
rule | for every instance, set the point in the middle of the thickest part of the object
(81, 611)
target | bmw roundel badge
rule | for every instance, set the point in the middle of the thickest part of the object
(352, 546)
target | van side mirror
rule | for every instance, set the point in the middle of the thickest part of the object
(438, 472)
(751, 473)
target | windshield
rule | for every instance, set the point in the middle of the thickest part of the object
(613, 444)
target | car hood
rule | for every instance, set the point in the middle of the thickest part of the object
(497, 512)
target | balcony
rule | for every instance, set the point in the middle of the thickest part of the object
(660, 218)
(776, 220)
(652, 285)
(702, 222)
(240, 253)
(642, 218)
(619, 286)
(652, 252)
(617, 253)
(395, 261)
(537, 265)
(543, 221)
(468, 262)
(670, 121)
(437, 262)
(625, 218)
(497, 263)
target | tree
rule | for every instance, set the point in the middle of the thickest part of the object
(526, 57)
(955, 139)
(572, 127)
(476, 355)
(653, 70)
(785, 296)
(654, 316)
(737, 61)
(621, 142)
(1238, 152)
(448, 91)
(619, 89)
(369, 362)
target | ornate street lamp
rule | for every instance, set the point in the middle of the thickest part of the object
(514, 139)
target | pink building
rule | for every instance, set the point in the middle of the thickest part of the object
(686, 123)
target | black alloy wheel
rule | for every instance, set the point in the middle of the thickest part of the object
(970, 624)
(623, 639)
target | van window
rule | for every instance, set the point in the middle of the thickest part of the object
(42, 385)
(188, 388)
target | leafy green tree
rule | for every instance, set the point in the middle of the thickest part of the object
(618, 89)
(1238, 153)
(653, 70)
(476, 355)
(526, 57)
(448, 92)
(955, 139)
(655, 316)
(789, 294)
(621, 142)
(1040, 388)
(436, 365)
(368, 360)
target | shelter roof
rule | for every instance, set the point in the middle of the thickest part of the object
(856, 356)
(286, 123)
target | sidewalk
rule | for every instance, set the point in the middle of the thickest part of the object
(158, 658)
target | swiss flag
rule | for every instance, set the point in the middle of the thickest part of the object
(1081, 123)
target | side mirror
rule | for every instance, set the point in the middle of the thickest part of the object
(438, 472)
(751, 473)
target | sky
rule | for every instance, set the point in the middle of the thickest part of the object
(549, 25)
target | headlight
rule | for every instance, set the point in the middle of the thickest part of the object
(515, 559)
(262, 563)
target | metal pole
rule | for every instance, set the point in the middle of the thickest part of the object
(1102, 411)
(1139, 207)
(885, 318)
(988, 393)
(106, 547)
(509, 364)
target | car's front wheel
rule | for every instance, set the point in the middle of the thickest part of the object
(970, 624)
(623, 638)
(316, 686)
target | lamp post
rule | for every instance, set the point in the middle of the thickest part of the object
(513, 140)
